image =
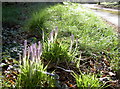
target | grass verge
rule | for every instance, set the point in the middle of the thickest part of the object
(93, 34)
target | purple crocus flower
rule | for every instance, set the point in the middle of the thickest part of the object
(76, 42)
(51, 36)
(56, 32)
(25, 49)
(34, 47)
(35, 52)
(39, 50)
(28, 52)
(43, 36)
(32, 52)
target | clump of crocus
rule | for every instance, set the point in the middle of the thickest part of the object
(32, 52)
(53, 36)
(54, 51)
(33, 73)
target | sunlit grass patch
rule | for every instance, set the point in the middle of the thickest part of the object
(75, 19)
(87, 81)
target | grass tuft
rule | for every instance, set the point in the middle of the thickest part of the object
(87, 81)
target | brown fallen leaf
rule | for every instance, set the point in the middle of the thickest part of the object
(105, 61)
(92, 69)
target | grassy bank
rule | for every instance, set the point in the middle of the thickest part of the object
(70, 44)
(92, 33)
(95, 37)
